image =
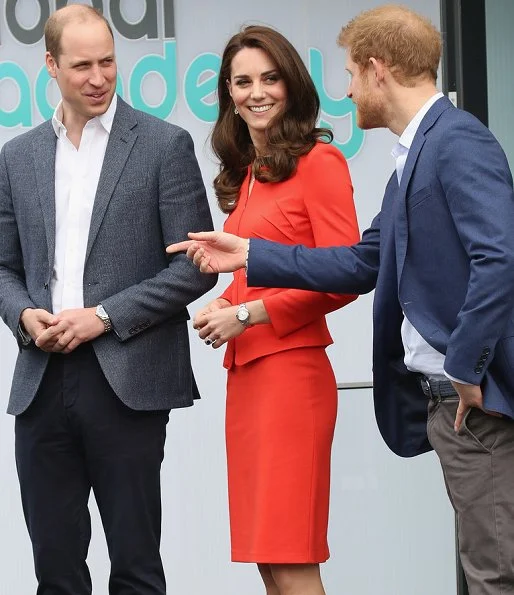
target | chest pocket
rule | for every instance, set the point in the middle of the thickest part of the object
(129, 183)
(284, 219)
(416, 198)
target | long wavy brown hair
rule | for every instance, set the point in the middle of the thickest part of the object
(289, 135)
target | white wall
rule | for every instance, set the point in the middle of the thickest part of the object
(391, 530)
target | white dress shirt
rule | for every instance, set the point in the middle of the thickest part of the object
(77, 172)
(420, 356)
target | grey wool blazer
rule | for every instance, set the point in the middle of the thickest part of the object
(150, 194)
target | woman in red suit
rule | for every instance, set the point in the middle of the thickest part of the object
(278, 180)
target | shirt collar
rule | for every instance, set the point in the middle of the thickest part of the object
(405, 140)
(105, 120)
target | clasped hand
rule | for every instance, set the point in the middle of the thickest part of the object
(63, 332)
(216, 323)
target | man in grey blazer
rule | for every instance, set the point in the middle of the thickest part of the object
(88, 202)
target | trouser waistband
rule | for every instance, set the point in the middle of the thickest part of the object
(437, 389)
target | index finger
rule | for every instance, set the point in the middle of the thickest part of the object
(199, 322)
(459, 417)
(179, 247)
(46, 336)
(203, 236)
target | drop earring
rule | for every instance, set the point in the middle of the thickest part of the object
(235, 111)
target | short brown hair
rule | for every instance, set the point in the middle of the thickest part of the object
(292, 132)
(60, 18)
(406, 42)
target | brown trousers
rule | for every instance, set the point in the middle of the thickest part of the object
(478, 468)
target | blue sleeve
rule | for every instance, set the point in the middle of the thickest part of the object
(477, 182)
(342, 269)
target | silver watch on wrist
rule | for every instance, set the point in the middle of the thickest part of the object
(104, 317)
(243, 315)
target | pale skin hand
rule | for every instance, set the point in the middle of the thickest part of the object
(35, 321)
(200, 319)
(470, 396)
(213, 251)
(221, 324)
(216, 304)
(69, 329)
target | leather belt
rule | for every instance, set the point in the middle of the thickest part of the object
(437, 389)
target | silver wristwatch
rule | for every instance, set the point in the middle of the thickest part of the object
(104, 317)
(243, 315)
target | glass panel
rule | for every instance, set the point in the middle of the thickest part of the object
(391, 523)
(500, 75)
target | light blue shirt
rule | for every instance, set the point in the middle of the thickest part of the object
(420, 356)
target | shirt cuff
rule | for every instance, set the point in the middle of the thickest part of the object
(247, 256)
(25, 338)
(456, 379)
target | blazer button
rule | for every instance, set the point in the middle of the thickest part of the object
(486, 351)
(478, 370)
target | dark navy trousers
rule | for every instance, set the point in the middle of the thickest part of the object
(76, 436)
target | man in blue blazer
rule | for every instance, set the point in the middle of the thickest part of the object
(440, 255)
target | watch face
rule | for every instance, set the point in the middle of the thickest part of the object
(100, 312)
(242, 314)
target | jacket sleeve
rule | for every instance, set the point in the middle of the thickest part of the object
(477, 182)
(328, 200)
(183, 207)
(14, 297)
(344, 269)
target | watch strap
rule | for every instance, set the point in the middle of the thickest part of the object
(104, 317)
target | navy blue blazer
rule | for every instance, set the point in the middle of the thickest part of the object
(442, 251)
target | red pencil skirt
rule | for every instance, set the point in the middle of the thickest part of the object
(281, 412)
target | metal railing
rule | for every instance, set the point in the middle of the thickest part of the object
(354, 385)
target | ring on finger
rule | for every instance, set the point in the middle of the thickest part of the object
(208, 341)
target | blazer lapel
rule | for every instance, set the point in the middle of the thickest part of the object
(401, 221)
(119, 146)
(44, 146)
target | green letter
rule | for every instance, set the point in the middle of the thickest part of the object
(197, 90)
(336, 108)
(166, 67)
(22, 114)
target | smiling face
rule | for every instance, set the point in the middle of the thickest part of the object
(85, 71)
(257, 90)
